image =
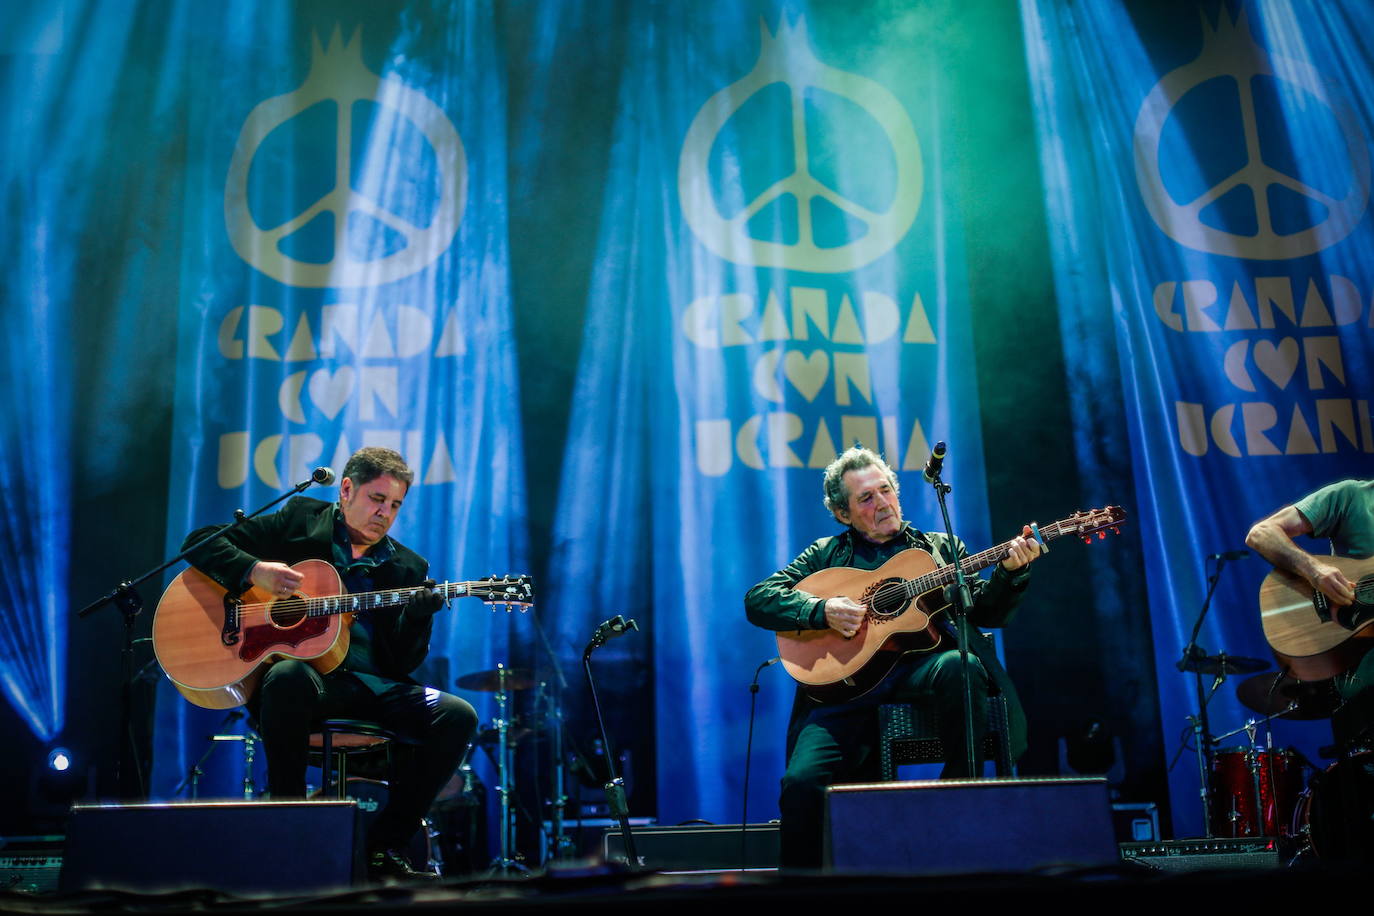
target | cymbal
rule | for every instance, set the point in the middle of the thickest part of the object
(1224, 664)
(496, 679)
(514, 734)
(1314, 699)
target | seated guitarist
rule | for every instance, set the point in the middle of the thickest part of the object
(386, 644)
(837, 742)
(1343, 512)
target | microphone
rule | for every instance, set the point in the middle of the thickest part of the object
(608, 630)
(935, 462)
(323, 476)
(1229, 555)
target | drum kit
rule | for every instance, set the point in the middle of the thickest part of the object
(1254, 789)
(499, 739)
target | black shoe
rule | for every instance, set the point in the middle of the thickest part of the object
(391, 865)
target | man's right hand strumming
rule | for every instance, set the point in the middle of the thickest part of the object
(844, 615)
(275, 578)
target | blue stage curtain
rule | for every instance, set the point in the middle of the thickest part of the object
(779, 274)
(83, 82)
(1207, 176)
(345, 283)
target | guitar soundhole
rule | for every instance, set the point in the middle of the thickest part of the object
(886, 599)
(287, 613)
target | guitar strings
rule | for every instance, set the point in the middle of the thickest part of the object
(444, 588)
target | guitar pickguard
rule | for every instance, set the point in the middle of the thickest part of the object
(260, 639)
(1354, 616)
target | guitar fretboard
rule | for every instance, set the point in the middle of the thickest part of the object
(979, 561)
(371, 601)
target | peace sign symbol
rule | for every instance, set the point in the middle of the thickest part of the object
(1230, 52)
(338, 73)
(787, 58)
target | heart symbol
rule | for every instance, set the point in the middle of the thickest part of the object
(807, 373)
(330, 391)
(1277, 362)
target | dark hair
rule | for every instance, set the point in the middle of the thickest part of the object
(367, 464)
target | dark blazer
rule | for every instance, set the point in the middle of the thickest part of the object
(304, 530)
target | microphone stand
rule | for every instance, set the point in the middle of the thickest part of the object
(125, 597)
(963, 605)
(615, 787)
(1191, 659)
(748, 752)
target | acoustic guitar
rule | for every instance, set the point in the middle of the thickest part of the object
(215, 646)
(1311, 637)
(902, 598)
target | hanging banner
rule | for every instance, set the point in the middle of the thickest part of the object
(779, 276)
(1208, 175)
(345, 283)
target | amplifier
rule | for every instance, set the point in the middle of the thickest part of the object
(30, 864)
(237, 847)
(958, 826)
(699, 847)
(1204, 854)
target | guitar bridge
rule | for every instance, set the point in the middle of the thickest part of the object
(1322, 606)
(229, 633)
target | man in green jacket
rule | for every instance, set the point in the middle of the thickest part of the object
(837, 742)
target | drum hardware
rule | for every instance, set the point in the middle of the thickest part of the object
(499, 681)
(1197, 662)
(1279, 696)
(1221, 665)
(250, 740)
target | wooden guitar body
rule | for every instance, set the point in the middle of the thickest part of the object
(190, 638)
(1311, 637)
(833, 668)
(900, 597)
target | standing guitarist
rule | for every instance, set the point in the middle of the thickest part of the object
(837, 742)
(386, 644)
(1343, 512)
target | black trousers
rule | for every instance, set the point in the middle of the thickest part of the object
(838, 743)
(294, 698)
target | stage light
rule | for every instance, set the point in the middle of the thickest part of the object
(59, 759)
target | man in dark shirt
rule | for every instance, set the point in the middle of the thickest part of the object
(386, 644)
(835, 742)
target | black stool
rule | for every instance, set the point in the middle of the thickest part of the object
(340, 739)
(911, 734)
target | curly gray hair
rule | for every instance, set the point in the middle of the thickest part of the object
(853, 459)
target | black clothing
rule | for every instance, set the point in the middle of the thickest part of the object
(293, 697)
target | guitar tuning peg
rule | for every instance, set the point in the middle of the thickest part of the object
(1087, 539)
(1116, 529)
(1101, 535)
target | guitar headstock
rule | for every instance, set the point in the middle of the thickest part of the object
(511, 591)
(1087, 522)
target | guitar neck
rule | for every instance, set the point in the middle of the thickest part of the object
(946, 575)
(370, 601)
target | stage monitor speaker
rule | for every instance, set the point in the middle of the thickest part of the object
(236, 847)
(969, 825)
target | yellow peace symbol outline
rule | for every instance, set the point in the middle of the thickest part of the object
(1181, 222)
(339, 74)
(787, 59)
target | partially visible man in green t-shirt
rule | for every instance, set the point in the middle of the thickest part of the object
(1342, 512)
